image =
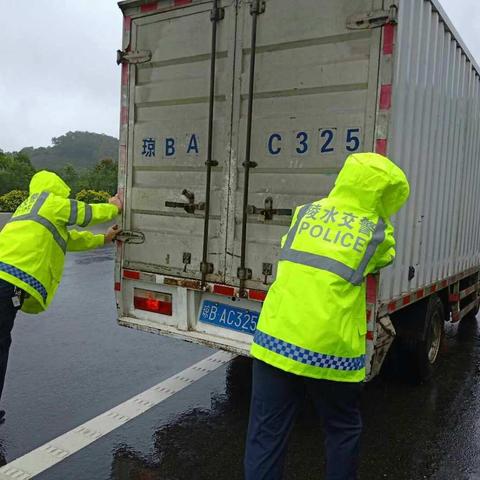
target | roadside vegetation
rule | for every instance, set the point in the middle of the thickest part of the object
(91, 181)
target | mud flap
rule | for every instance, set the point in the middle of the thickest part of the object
(384, 336)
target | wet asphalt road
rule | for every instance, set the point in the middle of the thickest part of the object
(73, 363)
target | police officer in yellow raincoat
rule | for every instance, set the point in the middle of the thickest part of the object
(311, 332)
(33, 246)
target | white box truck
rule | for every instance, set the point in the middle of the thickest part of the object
(234, 112)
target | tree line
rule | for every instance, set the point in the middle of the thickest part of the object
(92, 185)
(80, 149)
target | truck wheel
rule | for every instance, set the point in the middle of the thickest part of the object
(425, 352)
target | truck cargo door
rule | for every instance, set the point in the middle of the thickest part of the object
(314, 99)
(167, 143)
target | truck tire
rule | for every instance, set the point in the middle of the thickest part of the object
(423, 352)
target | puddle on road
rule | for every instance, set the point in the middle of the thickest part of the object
(201, 443)
(428, 431)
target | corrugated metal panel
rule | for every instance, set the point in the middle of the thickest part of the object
(434, 135)
(449, 26)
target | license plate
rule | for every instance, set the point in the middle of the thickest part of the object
(226, 316)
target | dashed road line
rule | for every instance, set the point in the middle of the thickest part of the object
(59, 449)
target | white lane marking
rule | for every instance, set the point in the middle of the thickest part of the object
(57, 450)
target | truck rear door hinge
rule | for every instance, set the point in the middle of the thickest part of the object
(268, 211)
(137, 56)
(131, 236)
(191, 206)
(244, 273)
(217, 14)
(258, 7)
(374, 19)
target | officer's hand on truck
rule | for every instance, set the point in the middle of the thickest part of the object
(115, 200)
(111, 234)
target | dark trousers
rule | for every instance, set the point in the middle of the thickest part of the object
(276, 399)
(7, 317)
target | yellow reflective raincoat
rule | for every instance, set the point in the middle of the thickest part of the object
(313, 321)
(33, 243)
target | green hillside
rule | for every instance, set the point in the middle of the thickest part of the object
(81, 149)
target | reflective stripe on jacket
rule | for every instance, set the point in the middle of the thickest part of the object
(33, 243)
(313, 321)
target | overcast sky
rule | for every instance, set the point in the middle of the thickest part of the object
(59, 73)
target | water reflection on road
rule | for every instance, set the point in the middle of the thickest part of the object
(411, 431)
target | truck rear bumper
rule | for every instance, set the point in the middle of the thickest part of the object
(151, 326)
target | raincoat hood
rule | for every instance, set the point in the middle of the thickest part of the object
(372, 182)
(45, 181)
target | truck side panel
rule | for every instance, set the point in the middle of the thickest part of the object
(434, 136)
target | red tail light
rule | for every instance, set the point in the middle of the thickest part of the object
(224, 290)
(258, 295)
(155, 302)
(131, 274)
